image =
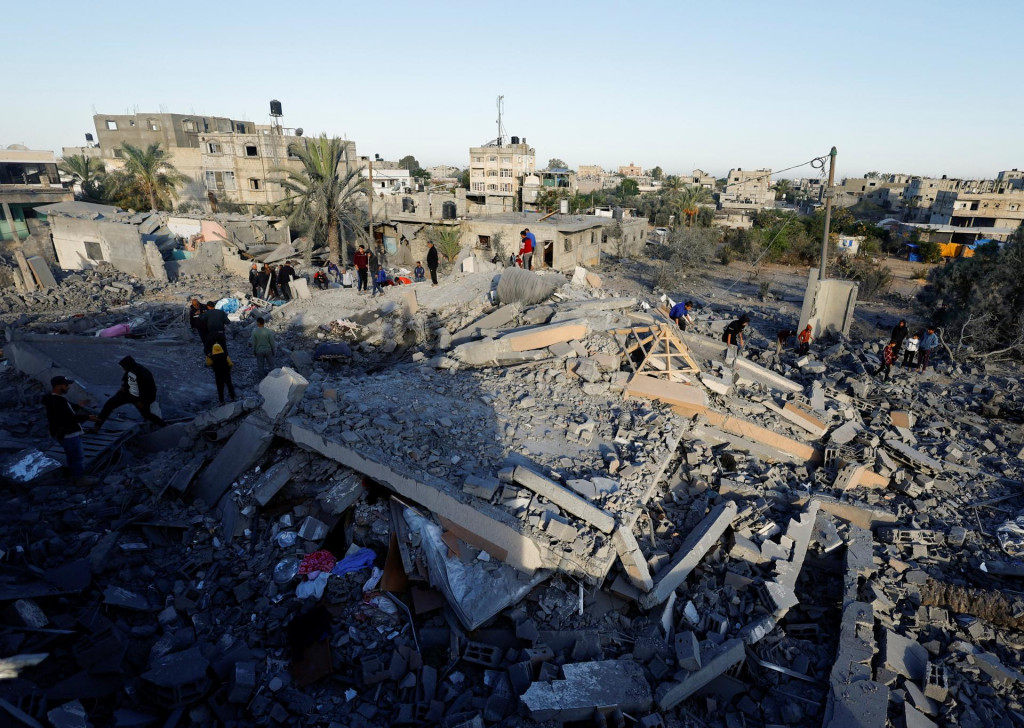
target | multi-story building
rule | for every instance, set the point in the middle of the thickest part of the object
(975, 215)
(444, 173)
(590, 170)
(498, 170)
(748, 189)
(388, 181)
(28, 180)
(631, 170)
(700, 178)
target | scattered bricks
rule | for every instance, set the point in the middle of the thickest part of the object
(849, 477)
(718, 385)
(920, 701)
(936, 682)
(716, 623)
(999, 672)
(587, 686)
(777, 597)
(905, 656)
(730, 653)
(912, 536)
(564, 499)
(743, 549)
(844, 433)
(520, 674)
(539, 654)
(699, 542)
(687, 651)
(481, 487)
(480, 654)
(560, 529)
(632, 558)
(914, 457)
(313, 530)
(802, 417)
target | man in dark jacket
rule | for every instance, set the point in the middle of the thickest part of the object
(216, 322)
(138, 388)
(254, 274)
(262, 281)
(899, 335)
(195, 317)
(285, 274)
(733, 334)
(65, 420)
(362, 264)
(432, 263)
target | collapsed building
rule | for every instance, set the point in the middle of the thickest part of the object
(515, 500)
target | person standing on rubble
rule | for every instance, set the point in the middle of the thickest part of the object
(888, 357)
(284, 276)
(526, 243)
(262, 340)
(195, 317)
(254, 280)
(222, 372)
(138, 388)
(899, 335)
(733, 334)
(362, 262)
(804, 341)
(782, 339)
(928, 344)
(347, 279)
(216, 328)
(680, 313)
(262, 281)
(65, 420)
(380, 279)
(432, 263)
(373, 265)
(910, 355)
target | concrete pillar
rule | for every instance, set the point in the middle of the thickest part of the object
(9, 216)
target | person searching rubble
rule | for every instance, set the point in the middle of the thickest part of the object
(221, 364)
(138, 388)
(782, 339)
(263, 347)
(65, 420)
(680, 313)
(195, 315)
(929, 343)
(888, 357)
(216, 327)
(733, 334)
(804, 340)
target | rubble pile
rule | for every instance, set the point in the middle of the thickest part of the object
(566, 512)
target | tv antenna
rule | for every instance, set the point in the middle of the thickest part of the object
(501, 129)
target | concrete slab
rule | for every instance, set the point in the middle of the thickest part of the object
(689, 399)
(281, 390)
(544, 336)
(564, 499)
(802, 417)
(587, 686)
(632, 559)
(246, 447)
(716, 662)
(41, 270)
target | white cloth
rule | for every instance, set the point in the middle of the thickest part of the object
(133, 384)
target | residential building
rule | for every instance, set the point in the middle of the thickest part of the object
(28, 180)
(547, 180)
(498, 170)
(748, 190)
(389, 181)
(700, 178)
(631, 170)
(975, 215)
(590, 170)
(444, 173)
(1013, 178)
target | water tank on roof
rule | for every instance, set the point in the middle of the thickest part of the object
(563, 207)
(524, 140)
(515, 140)
(275, 108)
(88, 137)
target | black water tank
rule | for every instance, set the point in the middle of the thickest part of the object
(515, 140)
(275, 108)
(88, 137)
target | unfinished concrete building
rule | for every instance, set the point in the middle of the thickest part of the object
(748, 190)
(28, 180)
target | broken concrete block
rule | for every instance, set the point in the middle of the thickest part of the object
(588, 371)
(69, 715)
(905, 656)
(915, 719)
(560, 529)
(936, 683)
(482, 487)
(687, 651)
(698, 543)
(245, 448)
(720, 659)
(900, 419)
(999, 672)
(719, 385)
(844, 433)
(271, 481)
(542, 337)
(586, 686)
(281, 390)
(802, 417)
(564, 499)
(690, 399)
(632, 558)
(313, 529)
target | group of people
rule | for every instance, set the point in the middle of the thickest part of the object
(917, 349)
(271, 282)
(210, 324)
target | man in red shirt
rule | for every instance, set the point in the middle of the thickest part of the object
(526, 250)
(362, 261)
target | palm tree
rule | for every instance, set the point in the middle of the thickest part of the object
(322, 194)
(783, 188)
(673, 184)
(689, 200)
(86, 171)
(147, 176)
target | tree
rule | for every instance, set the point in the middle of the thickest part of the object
(322, 195)
(464, 179)
(688, 248)
(630, 187)
(783, 188)
(408, 162)
(657, 173)
(88, 172)
(689, 200)
(673, 184)
(447, 239)
(556, 163)
(420, 173)
(147, 176)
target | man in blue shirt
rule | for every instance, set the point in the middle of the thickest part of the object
(680, 313)
(928, 344)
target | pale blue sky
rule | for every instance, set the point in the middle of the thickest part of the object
(921, 87)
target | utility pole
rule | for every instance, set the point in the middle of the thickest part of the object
(369, 201)
(829, 194)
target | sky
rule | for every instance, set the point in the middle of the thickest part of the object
(926, 88)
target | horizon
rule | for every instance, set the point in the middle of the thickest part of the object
(749, 96)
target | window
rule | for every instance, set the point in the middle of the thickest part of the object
(213, 148)
(111, 125)
(483, 242)
(506, 160)
(251, 150)
(93, 251)
(240, 127)
(506, 187)
(153, 125)
(478, 186)
(255, 183)
(492, 173)
(188, 125)
(492, 159)
(567, 244)
(506, 173)
(220, 180)
(478, 159)
(492, 188)
(408, 204)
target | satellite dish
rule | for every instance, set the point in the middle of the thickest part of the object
(298, 132)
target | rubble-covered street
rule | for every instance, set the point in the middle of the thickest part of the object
(514, 499)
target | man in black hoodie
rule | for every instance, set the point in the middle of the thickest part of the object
(65, 420)
(138, 388)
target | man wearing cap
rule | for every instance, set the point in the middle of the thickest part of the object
(138, 388)
(65, 420)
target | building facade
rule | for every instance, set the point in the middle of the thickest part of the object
(748, 189)
(28, 180)
(498, 171)
(631, 170)
(700, 178)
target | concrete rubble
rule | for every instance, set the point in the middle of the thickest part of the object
(479, 513)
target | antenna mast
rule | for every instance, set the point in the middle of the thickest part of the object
(501, 129)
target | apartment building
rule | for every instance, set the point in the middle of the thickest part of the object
(631, 170)
(748, 189)
(498, 170)
(975, 215)
(700, 178)
(590, 170)
(28, 180)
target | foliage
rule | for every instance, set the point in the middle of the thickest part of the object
(629, 187)
(88, 172)
(498, 246)
(873, 278)
(980, 300)
(783, 190)
(322, 196)
(420, 173)
(550, 198)
(930, 251)
(447, 239)
(688, 248)
(464, 179)
(556, 163)
(657, 173)
(408, 162)
(148, 179)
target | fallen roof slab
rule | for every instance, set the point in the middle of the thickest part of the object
(588, 686)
